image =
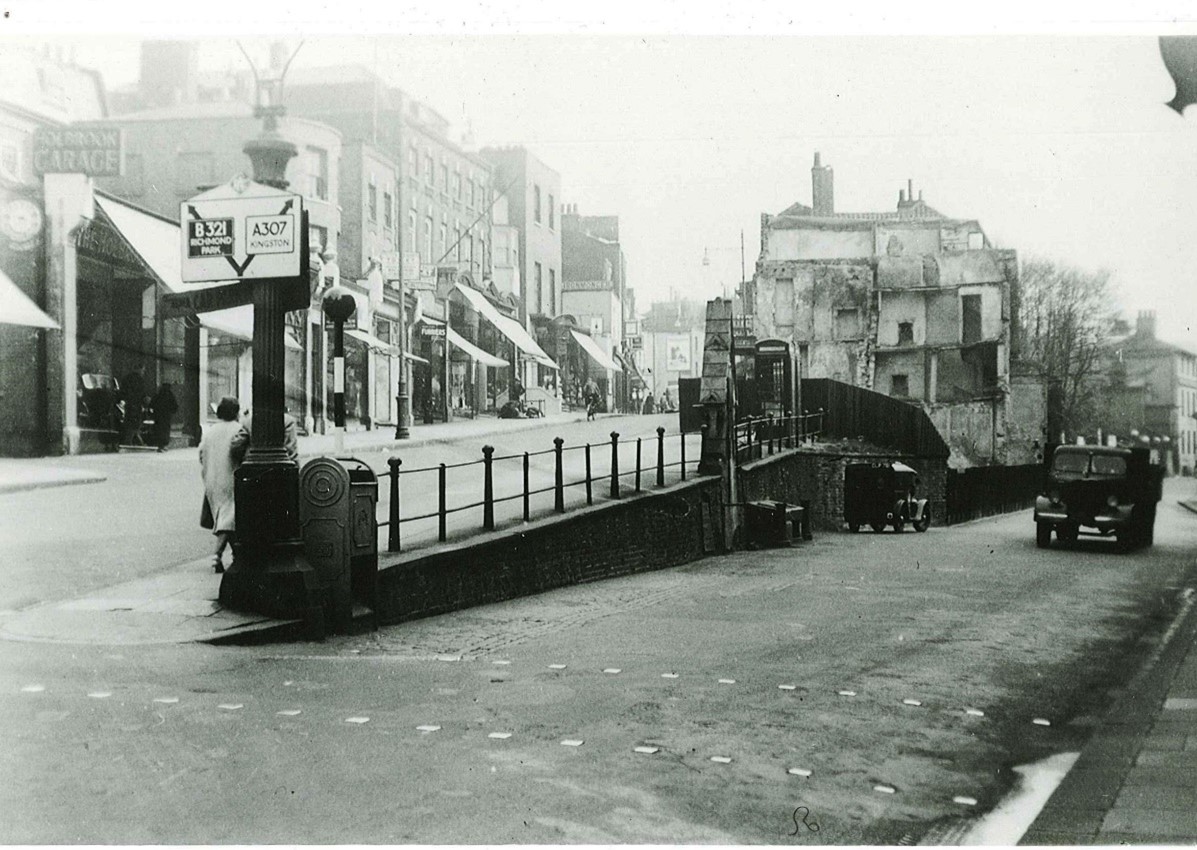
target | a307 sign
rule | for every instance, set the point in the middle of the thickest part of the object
(210, 237)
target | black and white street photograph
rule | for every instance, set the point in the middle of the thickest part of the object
(598, 424)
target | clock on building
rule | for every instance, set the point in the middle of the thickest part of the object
(21, 220)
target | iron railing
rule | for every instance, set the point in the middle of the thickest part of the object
(674, 461)
(755, 438)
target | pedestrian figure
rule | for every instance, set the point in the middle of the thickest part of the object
(164, 406)
(244, 439)
(650, 405)
(133, 395)
(217, 463)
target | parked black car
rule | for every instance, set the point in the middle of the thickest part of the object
(881, 494)
(1108, 489)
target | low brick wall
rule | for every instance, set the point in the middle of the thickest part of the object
(817, 476)
(637, 534)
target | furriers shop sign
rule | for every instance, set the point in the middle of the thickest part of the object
(94, 151)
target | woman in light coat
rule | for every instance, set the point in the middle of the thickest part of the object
(217, 464)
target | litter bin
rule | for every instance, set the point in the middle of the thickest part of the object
(339, 524)
(771, 523)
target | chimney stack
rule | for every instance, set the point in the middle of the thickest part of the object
(822, 188)
(1145, 324)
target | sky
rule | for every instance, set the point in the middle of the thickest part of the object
(1047, 124)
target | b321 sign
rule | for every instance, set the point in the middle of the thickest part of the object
(241, 231)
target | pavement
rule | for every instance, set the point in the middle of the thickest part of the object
(180, 604)
(1133, 782)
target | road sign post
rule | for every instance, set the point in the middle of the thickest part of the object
(392, 269)
(254, 235)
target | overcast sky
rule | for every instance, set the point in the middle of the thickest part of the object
(1058, 143)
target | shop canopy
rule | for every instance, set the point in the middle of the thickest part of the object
(599, 356)
(463, 344)
(154, 240)
(510, 328)
(239, 322)
(16, 308)
(377, 344)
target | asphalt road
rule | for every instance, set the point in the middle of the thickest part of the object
(62, 542)
(314, 743)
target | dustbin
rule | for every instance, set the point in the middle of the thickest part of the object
(772, 523)
(339, 524)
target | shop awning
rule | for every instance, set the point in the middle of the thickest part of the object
(239, 322)
(156, 241)
(377, 344)
(483, 357)
(510, 328)
(599, 356)
(17, 308)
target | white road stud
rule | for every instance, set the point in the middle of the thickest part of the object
(965, 801)
(847, 693)
(727, 681)
(33, 689)
(100, 694)
(231, 706)
(669, 675)
(556, 666)
(429, 728)
(613, 670)
(572, 743)
(166, 700)
(914, 702)
(787, 687)
(290, 712)
(648, 751)
(288, 682)
(357, 720)
(884, 789)
(448, 658)
(1041, 721)
(975, 712)
(500, 663)
(798, 771)
(499, 736)
(721, 759)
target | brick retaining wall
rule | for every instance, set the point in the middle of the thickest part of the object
(637, 534)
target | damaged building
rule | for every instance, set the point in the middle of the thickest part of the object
(910, 303)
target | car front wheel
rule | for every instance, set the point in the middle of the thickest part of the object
(924, 523)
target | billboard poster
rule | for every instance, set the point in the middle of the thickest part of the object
(677, 353)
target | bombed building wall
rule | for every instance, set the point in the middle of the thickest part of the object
(823, 309)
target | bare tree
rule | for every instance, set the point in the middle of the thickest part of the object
(1063, 316)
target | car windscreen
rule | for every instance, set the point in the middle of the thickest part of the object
(1109, 465)
(1070, 462)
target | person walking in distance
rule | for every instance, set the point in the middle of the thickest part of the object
(164, 407)
(217, 464)
(133, 394)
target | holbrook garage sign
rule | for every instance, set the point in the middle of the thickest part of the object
(94, 151)
(241, 231)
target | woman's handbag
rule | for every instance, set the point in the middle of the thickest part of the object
(206, 518)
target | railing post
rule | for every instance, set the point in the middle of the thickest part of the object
(527, 511)
(769, 425)
(589, 494)
(614, 464)
(488, 488)
(748, 438)
(559, 479)
(660, 456)
(703, 439)
(637, 464)
(683, 438)
(393, 522)
(442, 512)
